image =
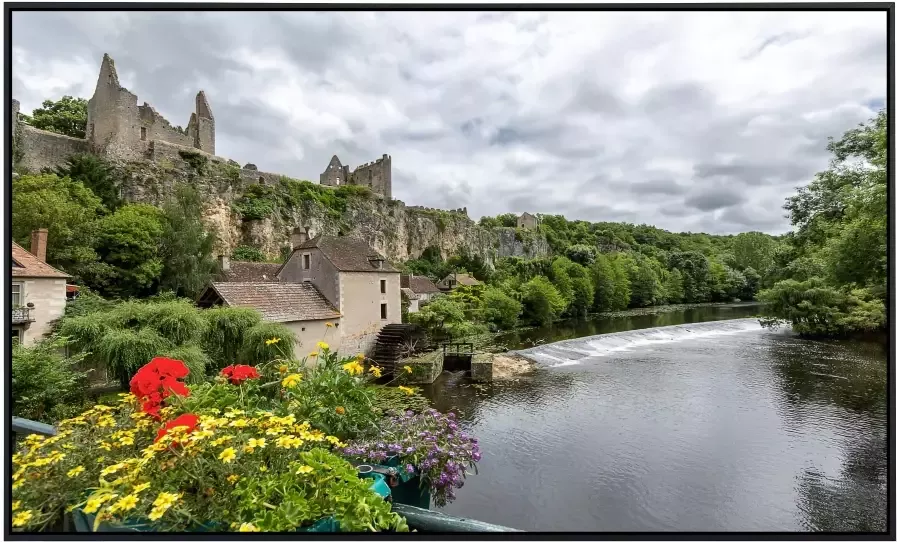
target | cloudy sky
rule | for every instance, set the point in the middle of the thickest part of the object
(688, 121)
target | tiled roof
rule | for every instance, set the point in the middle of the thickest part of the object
(278, 301)
(466, 280)
(409, 293)
(419, 284)
(251, 272)
(26, 264)
(348, 254)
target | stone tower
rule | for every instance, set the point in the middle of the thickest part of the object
(335, 174)
(118, 128)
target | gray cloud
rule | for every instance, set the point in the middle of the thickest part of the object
(688, 121)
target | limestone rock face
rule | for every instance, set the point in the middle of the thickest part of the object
(397, 231)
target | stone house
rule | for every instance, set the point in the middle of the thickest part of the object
(453, 280)
(419, 291)
(325, 280)
(527, 221)
(355, 278)
(38, 294)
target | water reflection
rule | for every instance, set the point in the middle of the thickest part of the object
(754, 430)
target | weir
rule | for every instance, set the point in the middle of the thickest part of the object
(572, 351)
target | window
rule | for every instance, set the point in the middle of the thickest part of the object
(383, 311)
(306, 261)
(16, 295)
(142, 134)
(16, 335)
(382, 286)
(337, 180)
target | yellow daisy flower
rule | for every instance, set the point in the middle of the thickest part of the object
(75, 471)
(408, 369)
(22, 518)
(304, 469)
(257, 443)
(292, 380)
(227, 455)
(248, 528)
(408, 391)
(233, 478)
(272, 340)
(374, 370)
(125, 503)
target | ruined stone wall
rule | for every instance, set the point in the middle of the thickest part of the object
(376, 175)
(154, 126)
(41, 149)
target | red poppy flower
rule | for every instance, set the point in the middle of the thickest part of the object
(239, 373)
(184, 420)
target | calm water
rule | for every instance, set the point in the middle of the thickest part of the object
(710, 426)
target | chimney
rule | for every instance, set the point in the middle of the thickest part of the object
(39, 244)
(224, 261)
(300, 235)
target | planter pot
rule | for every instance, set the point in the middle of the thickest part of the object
(407, 489)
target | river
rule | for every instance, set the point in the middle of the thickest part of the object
(708, 424)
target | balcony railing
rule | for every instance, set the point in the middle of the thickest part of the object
(22, 315)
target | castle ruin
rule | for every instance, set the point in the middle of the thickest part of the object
(376, 175)
(121, 130)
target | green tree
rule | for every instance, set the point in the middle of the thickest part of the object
(696, 279)
(128, 244)
(446, 317)
(94, 173)
(46, 385)
(186, 250)
(832, 275)
(66, 116)
(542, 303)
(67, 209)
(753, 249)
(244, 253)
(500, 309)
(674, 287)
(574, 284)
(603, 282)
(582, 254)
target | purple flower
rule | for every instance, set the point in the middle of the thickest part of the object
(409, 469)
(476, 456)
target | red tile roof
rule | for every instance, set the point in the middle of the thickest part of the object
(278, 301)
(26, 264)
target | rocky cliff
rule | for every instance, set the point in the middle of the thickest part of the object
(263, 214)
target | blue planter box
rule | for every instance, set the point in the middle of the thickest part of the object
(408, 490)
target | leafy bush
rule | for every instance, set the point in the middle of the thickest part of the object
(225, 332)
(246, 253)
(816, 309)
(256, 203)
(46, 385)
(500, 309)
(257, 347)
(542, 304)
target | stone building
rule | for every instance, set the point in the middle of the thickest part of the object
(419, 290)
(38, 293)
(376, 175)
(355, 278)
(527, 221)
(119, 129)
(338, 281)
(453, 280)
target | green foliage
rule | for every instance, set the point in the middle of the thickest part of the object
(831, 272)
(255, 349)
(815, 309)
(67, 209)
(754, 250)
(391, 399)
(186, 245)
(332, 399)
(197, 161)
(582, 254)
(507, 220)
(574, 283)
(429, 264)
(123, 351)
(542, 303)
(256, 203)
(94, 173)
(445, 316)
(46, 385)
(499, 309)
(696, 279)
(66, 116)
(128, 243)
(244, 253)
(126, 335)
(224, 333)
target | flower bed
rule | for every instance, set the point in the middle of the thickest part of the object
(257, 449)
